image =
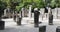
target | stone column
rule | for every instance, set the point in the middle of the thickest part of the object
(22, 12)
(36, 17)
(9, 14)
(53, 13)
(30, 11)
(32, 15)
(5, 12)
(42, 12)
(13, 14)
(49, 10)
(50, 18)
(19, 18)
(56, 12)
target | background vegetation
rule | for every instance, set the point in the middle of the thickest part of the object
(18, 4)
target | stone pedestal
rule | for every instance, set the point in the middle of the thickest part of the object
(19, 21)
(50, 19)
(58, 29)
(2, 25)
(42, 29)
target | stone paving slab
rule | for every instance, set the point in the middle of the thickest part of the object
(11, 26)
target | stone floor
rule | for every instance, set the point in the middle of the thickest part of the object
(11, 26)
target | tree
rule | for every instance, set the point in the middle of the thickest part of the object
(24, 3)
(11, 4)
(53, 4)
(34, 3)
(2, 7)
(39, 3)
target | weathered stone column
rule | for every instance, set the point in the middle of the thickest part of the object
(5, 12)
(2, 23)
(42, 12)
(30, 11)
(22, 12)
(50, 18)
(19, 18)
(56, 12)
(49, 10)
(36, 17)
(9, 14)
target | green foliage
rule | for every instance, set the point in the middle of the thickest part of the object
(55, 3)
(34, 3)
(11, 3)
(2, 5)
(23, 3)
(39, 3)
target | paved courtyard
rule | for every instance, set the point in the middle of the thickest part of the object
(11, 26)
